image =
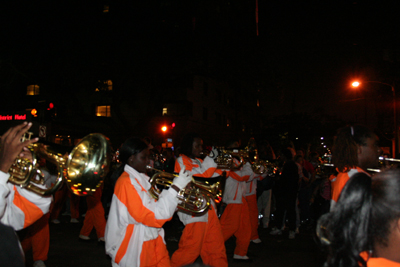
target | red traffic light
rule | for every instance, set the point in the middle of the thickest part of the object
(51, 106)
(173, 125)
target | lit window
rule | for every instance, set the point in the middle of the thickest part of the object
(165, 111)
(104, 85)
(106, 9)
(32, 89)
(103, 111)
(109, 85)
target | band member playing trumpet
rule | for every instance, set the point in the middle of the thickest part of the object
(235, 219)
(134, 235)
(19, 207)
(355, 150)
(202, 234)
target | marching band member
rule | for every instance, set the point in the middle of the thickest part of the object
(94, 217)
(251, 199)
(355, 150)
(235, 219)
(37, 235)
(19, 207)
(202, 234)
(134, 235)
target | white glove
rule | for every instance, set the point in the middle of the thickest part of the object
(214, 153)
(183, 179)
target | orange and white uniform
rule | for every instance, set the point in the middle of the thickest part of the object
(338, 183)
(134, 235)
(202, 234)
(37, 235)
(235, 219)
(251, 198)
(19, 207)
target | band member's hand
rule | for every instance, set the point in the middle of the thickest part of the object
(26, 153)
(214, 153)
(183, 179)
(11, 146)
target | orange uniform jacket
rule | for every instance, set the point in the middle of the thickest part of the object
(338, 182)
(19, 207)
(134, 234)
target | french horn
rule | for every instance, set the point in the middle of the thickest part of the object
(83, 169)
(195, 198)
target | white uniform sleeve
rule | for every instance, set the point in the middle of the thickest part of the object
(19, 207)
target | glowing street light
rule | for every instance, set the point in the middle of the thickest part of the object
(395, 130)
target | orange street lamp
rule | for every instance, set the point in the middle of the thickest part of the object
(395, 130)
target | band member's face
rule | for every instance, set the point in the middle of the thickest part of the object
(197, 147)
(140, 161)
(368, 154)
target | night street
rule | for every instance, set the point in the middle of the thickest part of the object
(67, 250)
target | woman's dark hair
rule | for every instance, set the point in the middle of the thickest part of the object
(287, 153)
(361, 219)
(344, 152)
(187, 144)
(131, 146)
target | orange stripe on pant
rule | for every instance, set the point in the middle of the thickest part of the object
(204, 239)
(253, 212)
(236, 221)
(38, 238)
(94, 215)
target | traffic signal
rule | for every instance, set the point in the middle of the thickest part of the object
(34, 112)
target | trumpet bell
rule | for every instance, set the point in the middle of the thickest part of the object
(88, 164)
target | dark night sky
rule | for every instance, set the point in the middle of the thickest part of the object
(307, 51)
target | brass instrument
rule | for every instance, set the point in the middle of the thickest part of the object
(195, 198)
(225, 159)
(83, 169)
(382, 161)
(266, 167)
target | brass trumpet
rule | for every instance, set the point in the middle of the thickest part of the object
(225, 158)
(195, 198)
(83, 169)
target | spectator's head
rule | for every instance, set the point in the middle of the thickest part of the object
(355, 146)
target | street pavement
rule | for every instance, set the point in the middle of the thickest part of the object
(275, 251)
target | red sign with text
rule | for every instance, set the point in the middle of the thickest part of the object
(15, 117)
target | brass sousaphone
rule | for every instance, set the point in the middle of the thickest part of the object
(83, 169)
